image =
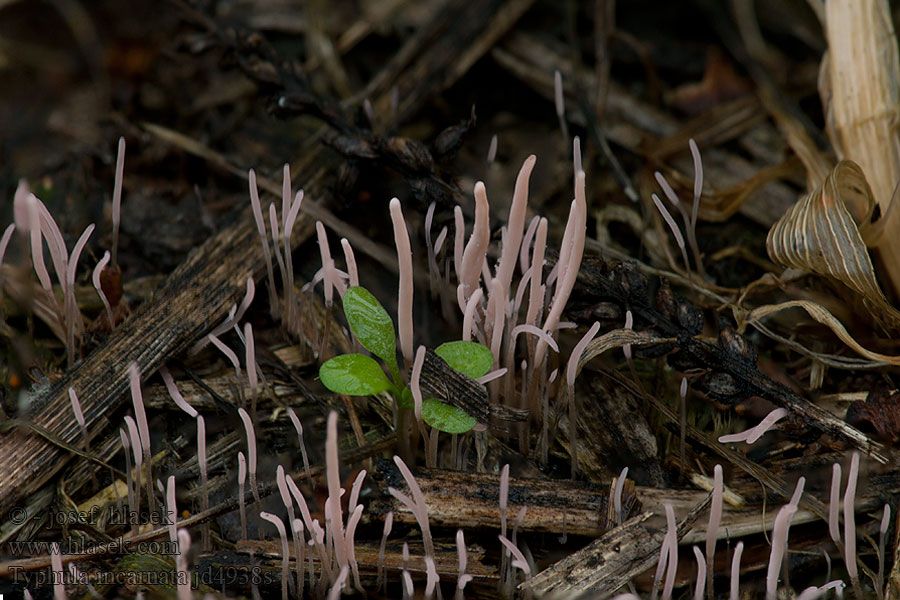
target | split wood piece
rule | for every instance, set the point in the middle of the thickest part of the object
(129, 544)
(224, 385)
(609, 562)
(807, 551)
(737, 524)
(741, 522)
(442, 382)
(446, 559)
(472, 501)
(624, 440)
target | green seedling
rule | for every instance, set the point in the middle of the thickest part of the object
(362, 375)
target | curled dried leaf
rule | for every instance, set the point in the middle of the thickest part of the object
(824, 317)
(821, 234)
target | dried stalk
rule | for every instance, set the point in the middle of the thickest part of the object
(859, 83)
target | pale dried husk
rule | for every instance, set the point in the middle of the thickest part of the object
(859, 84)
(821, 234)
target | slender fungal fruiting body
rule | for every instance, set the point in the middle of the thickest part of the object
(515, 224)
(712, 528)
(261, 229)
(735, 585)
(59, 585)
(462, 579)
(414, 387)
(251, 453)
(834, 505)
(175, 394)
(754, 433)
(117, 199)
(779, 547)
(299, 427)
(228, 352)
(416, 504)
(405, 286)
(351, 262)
(571, 373)
(476, 249)
(333, 504)
(671, 543)
(570, 257)
(95, 279)
(850, 524)
(388, 524)
(700, 584)
(185, 591)
(171, 509)
(132, 505)
(138, 400)
(285, 554)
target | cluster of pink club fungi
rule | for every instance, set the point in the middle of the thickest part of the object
(490, 302)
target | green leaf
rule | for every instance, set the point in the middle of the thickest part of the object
(371, 324)
(354, 375)
(445, 417)
(406, 400)
(469, 358)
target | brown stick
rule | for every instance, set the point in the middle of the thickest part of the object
(471, 501)
(609, 562)
(446, 560)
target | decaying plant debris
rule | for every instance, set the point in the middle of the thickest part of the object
(707, 147)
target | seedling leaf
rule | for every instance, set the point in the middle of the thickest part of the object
(445, 417)
(354, 375)
(371, 324)
(469, 358)
(406, 401)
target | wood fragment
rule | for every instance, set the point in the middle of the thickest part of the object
(609, 562)
(442, 382)
(446, 560)
(624, 440)
(471, 500)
